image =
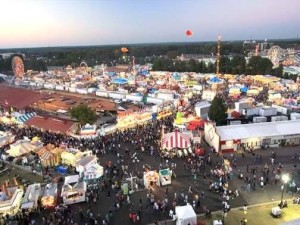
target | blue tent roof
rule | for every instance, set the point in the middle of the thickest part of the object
(244, 89)
(214, 80)
(176, 76)
(119, 80)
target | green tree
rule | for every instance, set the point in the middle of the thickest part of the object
(259, 65)
(238, 64)
(218, 111)
(225, 66)
(278, 72)
(83, 114)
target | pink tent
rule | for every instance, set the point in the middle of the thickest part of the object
(175, 140)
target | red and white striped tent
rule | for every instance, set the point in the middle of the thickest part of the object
(175, 140)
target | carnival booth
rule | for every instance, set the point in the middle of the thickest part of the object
(93, 173)
(151, 178)
(177, 140)
(88, 130)
(10, 200)
(165, 177)
(49, 197)
(185, 215)
(50, 155)
(32, 194)
(73, 190)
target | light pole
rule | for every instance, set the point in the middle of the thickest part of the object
(285, 178)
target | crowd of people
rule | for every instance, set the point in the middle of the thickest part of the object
(131, 147)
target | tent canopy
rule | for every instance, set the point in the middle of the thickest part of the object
(175, 140)
(185, 215)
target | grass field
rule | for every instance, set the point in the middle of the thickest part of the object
(21, 174)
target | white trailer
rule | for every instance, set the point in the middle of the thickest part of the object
(270, 111)
(251, 111)
(279, 118)
(259, 119)
(295, 116)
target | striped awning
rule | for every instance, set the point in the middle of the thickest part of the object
(22, 119)
(175, 140)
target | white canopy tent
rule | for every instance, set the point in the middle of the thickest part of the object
(185, 215)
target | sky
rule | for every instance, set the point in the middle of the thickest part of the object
(48, 23)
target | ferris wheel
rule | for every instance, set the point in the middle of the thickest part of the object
(276, 54)
(17, 66)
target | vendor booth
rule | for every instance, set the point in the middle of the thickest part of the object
(151, 178)
(32, 194)
(73, 190)
(185, 215)
(93, 173)
(85, 163)
(49, 197)
(88, 130)
(165, 176)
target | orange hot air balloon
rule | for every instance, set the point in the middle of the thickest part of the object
(124, 50)
(189, 33)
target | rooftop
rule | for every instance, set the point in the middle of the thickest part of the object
(17, 97)
(244, 131)
(50, 124)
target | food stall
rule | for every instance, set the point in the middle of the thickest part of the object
(165, 176)
(151, 178)
(93, 173)
(49, 197)
(88, 130)
(73, 190)
(32, 194)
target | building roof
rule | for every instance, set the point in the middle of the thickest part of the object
(254, 130)
(17, 97)
(50, 123)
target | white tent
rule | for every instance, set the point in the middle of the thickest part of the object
(185, 215)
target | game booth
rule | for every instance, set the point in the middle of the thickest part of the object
(185, 215)
(151, 179)
(176, 143)
(165, 176)
(73, 190)
(49, 197)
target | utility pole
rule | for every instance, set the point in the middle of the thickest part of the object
(218, 55)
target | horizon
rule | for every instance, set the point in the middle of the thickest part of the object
(120, 22)
(149, 43)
